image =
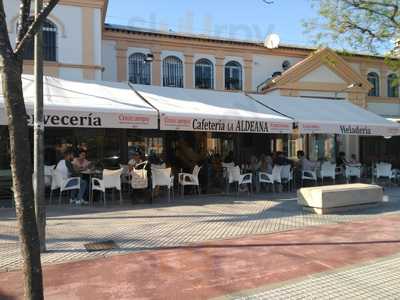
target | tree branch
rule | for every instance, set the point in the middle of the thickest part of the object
(5, 45)
(364, 5)
(35, 26)
(25, 10)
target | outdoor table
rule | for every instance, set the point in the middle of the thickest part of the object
(90, 174)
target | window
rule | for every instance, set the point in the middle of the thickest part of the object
(139, 69)
(373, 78)
(233, 76)
(49, 43)
(393, 86)
(204, 74)
(172, 72)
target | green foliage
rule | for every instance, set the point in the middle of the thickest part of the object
(361, 25)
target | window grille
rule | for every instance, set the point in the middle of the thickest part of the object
(172, 72)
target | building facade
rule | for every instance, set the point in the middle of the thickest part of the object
(79, 45)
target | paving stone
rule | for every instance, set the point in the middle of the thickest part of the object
(374, 280)
(182, 222)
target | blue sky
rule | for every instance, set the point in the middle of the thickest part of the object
(240, 19)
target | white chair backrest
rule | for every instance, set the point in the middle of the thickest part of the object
(125, 169)
(234, 174)
(48, 170)
(353, 171)
(383, 170)
(112, 178)
(98, 184)
(56, 179)
(228, 165)
(328, 169)
(161, 177)
(276, 173)
(196, 170)
(286, 172)
(162, 166)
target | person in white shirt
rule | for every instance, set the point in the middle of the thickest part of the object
(66, 170)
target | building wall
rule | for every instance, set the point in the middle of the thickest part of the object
(79, 38)
(257, 63)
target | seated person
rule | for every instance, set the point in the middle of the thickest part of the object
(266, 163)
(66, 170)
(134, 161)
(80, 163)
(281, 159)
(353, 160)
(341, 160)
(304, 163)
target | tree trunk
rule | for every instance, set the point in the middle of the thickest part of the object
(21, 167)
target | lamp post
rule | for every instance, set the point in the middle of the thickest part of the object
(38, 135)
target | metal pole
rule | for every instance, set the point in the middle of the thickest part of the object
(38, 136)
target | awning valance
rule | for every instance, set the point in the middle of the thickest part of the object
(329, 116)
(89, 104)
(214, 111)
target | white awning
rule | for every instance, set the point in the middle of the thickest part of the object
(205, 110)
(315, 115)
(89, 104)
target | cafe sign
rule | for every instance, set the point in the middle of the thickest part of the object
(348, 129)
(224, 125)
(79, 119)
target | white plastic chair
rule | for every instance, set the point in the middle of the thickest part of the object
(328, 170)
(58, 182)
(352, 171)
(287, 176)
(308, 175)
(162, 177)
(235, 176)
(47, 175)
(111, 180)
(384, 171)
(264, 177)
(187, 179)
(125, 176)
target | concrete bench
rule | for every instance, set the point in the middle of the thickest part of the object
(339, 198)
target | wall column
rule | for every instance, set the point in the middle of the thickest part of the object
(87, 42)
(219, 73)
(122, 61)
(156, 68)
(248, 75)
(383, 82)
(188, 70)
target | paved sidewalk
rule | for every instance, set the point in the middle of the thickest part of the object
(180, 223)
(379, 279)
(215, 269)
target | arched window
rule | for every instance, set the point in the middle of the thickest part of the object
(139, 69)
(49, 42)
(233, 76)
(393, 85)
(204, 74)
(373, 78)
(172, 72)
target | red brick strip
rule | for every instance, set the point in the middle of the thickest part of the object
(218, 268)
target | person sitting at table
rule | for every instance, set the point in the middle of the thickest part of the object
(341, 159)
(66, 170)
(229, 158)
(266, 163)
(281, 159)
(80, 163)
(134, 161)
(305, 164)
(353, 160)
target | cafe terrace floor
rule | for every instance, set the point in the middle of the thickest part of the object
(215, 245)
